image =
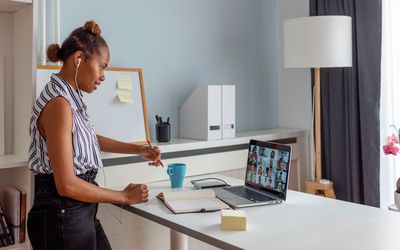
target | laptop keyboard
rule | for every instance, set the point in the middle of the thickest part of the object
(249, 194)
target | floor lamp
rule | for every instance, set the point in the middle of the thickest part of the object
(318, 42)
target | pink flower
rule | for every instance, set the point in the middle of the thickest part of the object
(390, 148)
(393, 138)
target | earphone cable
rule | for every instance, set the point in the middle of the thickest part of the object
(76, 83)
(104, 173)
(108, 209)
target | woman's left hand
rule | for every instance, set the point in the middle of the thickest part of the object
(152, 154)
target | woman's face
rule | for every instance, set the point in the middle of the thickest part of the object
(91, 70)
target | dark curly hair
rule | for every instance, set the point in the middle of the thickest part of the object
(86, 38)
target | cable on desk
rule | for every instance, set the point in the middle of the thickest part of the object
(194, 182)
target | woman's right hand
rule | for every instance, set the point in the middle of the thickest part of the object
(135, 193)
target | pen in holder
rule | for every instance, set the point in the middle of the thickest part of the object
(163, 132)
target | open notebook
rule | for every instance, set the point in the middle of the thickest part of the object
(190, 201)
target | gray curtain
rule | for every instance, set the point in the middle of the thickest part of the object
(350, 105)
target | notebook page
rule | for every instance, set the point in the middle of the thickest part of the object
(189, 194)
(196, 205)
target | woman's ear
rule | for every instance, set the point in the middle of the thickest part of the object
(78, 56)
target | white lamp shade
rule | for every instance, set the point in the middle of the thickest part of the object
(317, 42)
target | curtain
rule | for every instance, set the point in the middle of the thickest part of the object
(390, 95)
(350, 100)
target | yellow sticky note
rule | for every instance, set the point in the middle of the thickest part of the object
(233, 220)
(124, 96)
(124, 82)
(124, 77)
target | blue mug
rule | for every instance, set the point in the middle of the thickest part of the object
(176, 172)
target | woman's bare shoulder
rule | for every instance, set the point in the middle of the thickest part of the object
(59, 104)
(57, 108)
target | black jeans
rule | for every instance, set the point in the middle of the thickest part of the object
(56, 222)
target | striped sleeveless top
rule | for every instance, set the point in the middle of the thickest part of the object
(86, 149)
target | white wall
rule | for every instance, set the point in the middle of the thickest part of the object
(183, 44)
(295, 96)
(295, 107)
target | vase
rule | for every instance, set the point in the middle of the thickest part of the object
(397, 199)
(398, 186)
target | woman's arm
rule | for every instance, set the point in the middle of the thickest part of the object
(147, 152)
(114, 146)
(56, 124)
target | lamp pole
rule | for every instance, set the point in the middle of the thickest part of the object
(317, 111)
(316, 187)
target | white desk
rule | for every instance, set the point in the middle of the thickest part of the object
(302, 222)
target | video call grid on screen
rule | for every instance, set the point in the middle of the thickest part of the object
(267, 168)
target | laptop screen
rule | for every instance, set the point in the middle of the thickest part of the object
(268, 167)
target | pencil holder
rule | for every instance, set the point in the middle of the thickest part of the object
(163, 132)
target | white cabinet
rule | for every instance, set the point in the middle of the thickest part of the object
(17, 62)
(17, 73)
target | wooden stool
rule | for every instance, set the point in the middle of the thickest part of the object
(317, 188)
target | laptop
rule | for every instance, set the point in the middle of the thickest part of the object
(266, 177)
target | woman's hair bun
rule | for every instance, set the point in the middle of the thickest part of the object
(54, 52)
(92, 27)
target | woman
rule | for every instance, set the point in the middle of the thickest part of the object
(281, 162)
(253, 156)
(65, 151)
(271, 159)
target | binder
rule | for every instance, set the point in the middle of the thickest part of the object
(200, 116)
(214, 112)
(15, 211)
(228, 112)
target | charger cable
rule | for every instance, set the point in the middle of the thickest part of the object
(193, 182)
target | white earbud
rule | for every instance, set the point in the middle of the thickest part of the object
(76, 76)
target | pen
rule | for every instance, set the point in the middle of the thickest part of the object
(157, 119)
(168, 120)
(148, 142)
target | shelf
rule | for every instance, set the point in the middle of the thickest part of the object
(12, 161)
(12, 6)
(181, 144)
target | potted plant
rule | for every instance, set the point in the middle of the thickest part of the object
(391, 148)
